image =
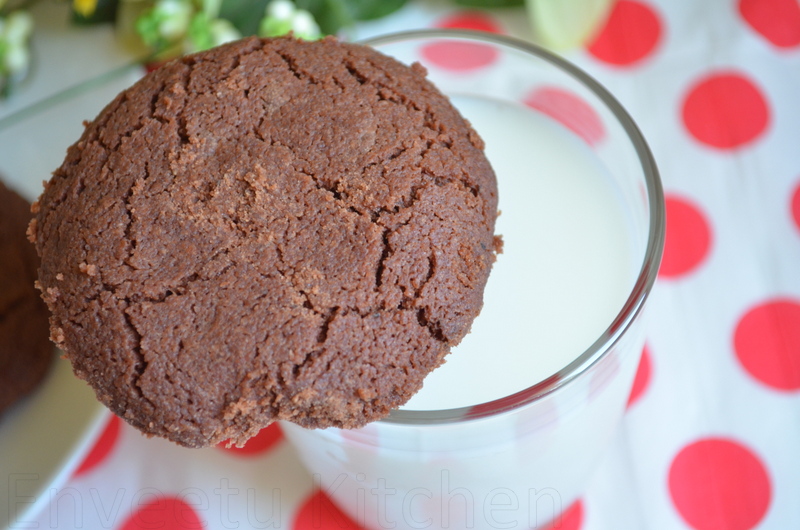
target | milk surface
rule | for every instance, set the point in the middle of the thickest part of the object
(566, 268)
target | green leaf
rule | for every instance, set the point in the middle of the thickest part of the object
(272, 27)
(331, 15)
(200, 32)
(211, 8)
(490, 3)
(245, 15)
(147, 28)
(372, 9)
(3, 51)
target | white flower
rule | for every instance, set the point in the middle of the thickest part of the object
(15, 30)
(282, 17)
(565, 24)
(304, 25)
(18, 28)
(223, 31)
(16, 59)
(281, 9)
(174, 17)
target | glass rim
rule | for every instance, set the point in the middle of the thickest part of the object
(650, 263)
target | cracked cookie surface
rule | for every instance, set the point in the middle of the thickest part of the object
(273, 229)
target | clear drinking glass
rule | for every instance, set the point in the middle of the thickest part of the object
(516, 461)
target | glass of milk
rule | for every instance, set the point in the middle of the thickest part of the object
(508, 431)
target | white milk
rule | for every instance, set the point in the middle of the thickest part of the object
(565, 274)
(565, 271)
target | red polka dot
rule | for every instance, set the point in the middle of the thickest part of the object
(319, 513)
(725, 110)
(463, 56)
(571, 519)
(630, 35)
(102, 447)
(796, 207)
(778, 21)
(767, 343)
(719, 484)
(164, 513)
(261, 443)
(642, 378)
(688, 238)
(474, 20)
(568, 109)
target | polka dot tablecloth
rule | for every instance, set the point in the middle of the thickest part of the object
(711, 437)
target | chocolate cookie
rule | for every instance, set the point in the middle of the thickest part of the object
(25, 350)
(273, 229)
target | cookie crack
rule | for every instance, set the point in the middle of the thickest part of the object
(294, 68)
(385, 253)
(353, 71)
(100, 128)
(434, 327)
(429, 274)
(322, 335)
(127, 232)
(94, 134)
(320, 186)
(183, 130)
(180, 383)
(472, 189)
(388, 94)
(140, 363)
(429, 121)
(178, 288)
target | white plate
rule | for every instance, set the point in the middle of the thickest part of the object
(43, 438)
